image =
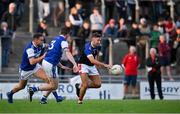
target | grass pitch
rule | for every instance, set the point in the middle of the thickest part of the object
(92, 106)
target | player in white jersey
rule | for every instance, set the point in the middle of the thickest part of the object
(51, 61)
(29, 66)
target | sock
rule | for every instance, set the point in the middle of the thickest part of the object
(35, 89)
(55, 94)
(44, 97)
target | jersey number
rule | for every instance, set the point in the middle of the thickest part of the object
(52, 44)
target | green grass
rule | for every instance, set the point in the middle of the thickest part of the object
(92, 106)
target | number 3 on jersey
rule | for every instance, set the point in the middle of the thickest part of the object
(52, 44)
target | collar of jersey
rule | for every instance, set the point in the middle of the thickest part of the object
(34, 44)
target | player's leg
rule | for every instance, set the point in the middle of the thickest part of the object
(84, 86)
(151, 86)
(21, 85)
(46, 94)
(159, 85)
(24, 76)
(126, 85)
(94, 77)
(95, 81)
(133, 83)
(40, 73)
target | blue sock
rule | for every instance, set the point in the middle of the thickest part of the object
(44, 97)
(55, 94)
(35, 89)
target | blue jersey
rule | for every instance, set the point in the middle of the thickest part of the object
(55, 50)
(89, 50)
(29, 52)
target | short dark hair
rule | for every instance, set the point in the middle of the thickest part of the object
(96, 35)
(37, 36)
(65, 31)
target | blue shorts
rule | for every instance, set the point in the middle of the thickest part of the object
(130, 79)
(164, 61)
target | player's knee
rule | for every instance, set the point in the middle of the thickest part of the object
(54, 86)
(47, 80)
(84, 85)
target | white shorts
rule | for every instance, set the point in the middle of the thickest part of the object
(90, 70)
(50, 70)
(25, 75)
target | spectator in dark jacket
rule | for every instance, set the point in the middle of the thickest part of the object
(6, 35)
(42, 28)
(10, 17)
(154, 73)
(134, 34)
(83, 34)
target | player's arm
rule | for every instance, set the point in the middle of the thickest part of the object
(70, 57)
(32, 59)
(96, 62)
(64, 67)
(64, 46)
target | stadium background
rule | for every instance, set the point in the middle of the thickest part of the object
(28, 25)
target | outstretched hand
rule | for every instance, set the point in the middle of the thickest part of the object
(75, 68)
(108, 66)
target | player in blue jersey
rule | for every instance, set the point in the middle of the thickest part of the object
(29, 66)
(87, 67)
(52, 60)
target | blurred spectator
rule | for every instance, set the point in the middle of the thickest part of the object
(161, 27)
(109, 9)
(155, 37)
(134, 34)
(83, 34)
(10, 17)
(178, 49)
(58, 14)
(176, 45)
(68, 26)
(19, 10)
(178, 22)
(110, 31)
(3, 7)
(80, 10)
(157, 9)
(42, 28)
(130, 63)
(170, 29)
(144, 8)
(164, 55)
(122, 29)
(121, 8)
(142, 41)
(43, 9)
(144, 27)
(75, 20)
(97, 21)
(6, 35)
(131, 10)
(154, 73)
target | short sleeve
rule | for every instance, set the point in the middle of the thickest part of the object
(88, 51)
(30, 52)
(64, 44)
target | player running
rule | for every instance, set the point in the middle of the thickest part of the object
(29, 66)
(51, 61)
(87, 68)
